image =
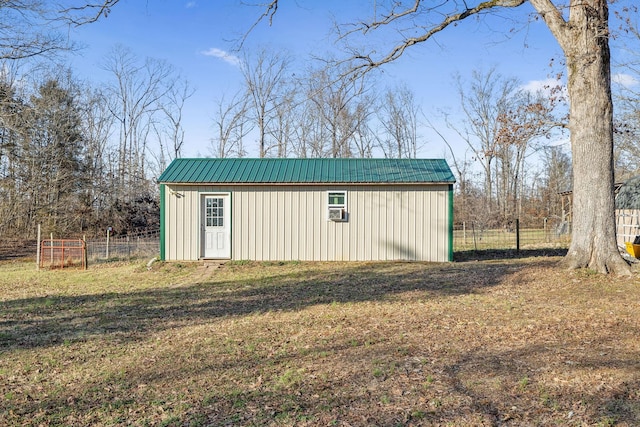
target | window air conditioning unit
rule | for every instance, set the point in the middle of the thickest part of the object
(336, 214)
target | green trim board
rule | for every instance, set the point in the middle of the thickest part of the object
(162, 222)
(307, 171)
(450, 222)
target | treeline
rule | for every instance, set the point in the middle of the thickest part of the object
(320, 111)
(78, 158)
(57, 169)
(75, 157)
(505, 169)
(516, 165)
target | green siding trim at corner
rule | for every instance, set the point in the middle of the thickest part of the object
(231, 224)
(163, 224)
(308, 171)
(451, 223)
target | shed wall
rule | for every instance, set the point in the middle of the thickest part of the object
(280, 223)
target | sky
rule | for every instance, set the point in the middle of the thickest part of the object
(199, 38)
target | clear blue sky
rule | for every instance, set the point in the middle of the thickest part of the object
(182, 32)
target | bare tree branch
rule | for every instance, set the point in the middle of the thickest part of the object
(367, 62)
(87, 13)
(270, 9)
(30, 28)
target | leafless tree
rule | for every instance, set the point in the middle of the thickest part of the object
(99, 169)
(265, 75)
(502, 123)
(138, 91)
(311, 136)
(172, 108)
(464, 179)
(528, 118)
(399, 115)
(308, 137)
(231, 125)
(14, 116)
(487, 97)
(341, 105)
(281, 127)
(556, 178)
(364, 137)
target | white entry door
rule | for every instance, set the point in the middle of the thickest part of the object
(216, 226)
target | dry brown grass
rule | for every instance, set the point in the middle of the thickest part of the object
(500, 342)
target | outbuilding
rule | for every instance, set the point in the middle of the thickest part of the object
(307, 209)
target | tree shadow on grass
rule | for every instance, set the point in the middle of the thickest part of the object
(482, 385)
(494, 254)
(478, 386)
(50, 320)
(523, 396)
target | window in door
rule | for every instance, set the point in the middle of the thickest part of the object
(214, 214)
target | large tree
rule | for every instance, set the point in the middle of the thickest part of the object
(581, 28)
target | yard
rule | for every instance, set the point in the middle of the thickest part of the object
(472, 343)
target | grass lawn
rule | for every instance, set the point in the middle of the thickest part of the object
(498, 342)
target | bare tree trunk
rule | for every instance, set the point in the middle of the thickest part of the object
(586, 46)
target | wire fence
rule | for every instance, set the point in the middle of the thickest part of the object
(124, 247)
(471, 236)
(467, 237)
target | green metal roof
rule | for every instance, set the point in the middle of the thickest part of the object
(307, 171)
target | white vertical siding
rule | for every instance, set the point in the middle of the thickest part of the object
(290, 223)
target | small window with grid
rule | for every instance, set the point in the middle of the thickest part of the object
(337, 205)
